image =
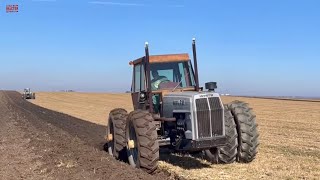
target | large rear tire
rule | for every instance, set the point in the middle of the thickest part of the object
(141, 135)
(248, 134)
(228, 153)
(115, 135)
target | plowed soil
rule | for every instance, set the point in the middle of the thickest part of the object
(37, 143)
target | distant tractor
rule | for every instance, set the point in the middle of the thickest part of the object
(27, 94)
(172, 111)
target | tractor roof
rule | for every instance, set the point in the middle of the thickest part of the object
(163, 58)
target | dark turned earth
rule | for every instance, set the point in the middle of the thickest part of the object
(37, 143)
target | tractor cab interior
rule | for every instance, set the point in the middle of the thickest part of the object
(167, 73)
(171, 75)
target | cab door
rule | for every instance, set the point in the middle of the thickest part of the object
(138, 85)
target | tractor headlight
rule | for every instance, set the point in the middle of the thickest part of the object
(142, 97)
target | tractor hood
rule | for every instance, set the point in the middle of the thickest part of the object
(184, 101)
(192, 94)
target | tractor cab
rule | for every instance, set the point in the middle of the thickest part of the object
(172, 75)
(27, 90)
(167, 73)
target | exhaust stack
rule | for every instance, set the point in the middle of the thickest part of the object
(195, 63)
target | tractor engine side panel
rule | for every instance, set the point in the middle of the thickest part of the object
(180, 105)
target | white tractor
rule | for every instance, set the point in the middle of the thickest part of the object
(27, 94)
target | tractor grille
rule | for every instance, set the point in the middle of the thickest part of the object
(203, 117)
(209, 117)
(216, 116)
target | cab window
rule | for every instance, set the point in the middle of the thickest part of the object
(178, 72)
(139, 78)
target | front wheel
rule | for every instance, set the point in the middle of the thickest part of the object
(142, 144)
(115, 135)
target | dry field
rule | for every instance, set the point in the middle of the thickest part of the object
(289, 136)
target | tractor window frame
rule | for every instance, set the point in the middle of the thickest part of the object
(142, 78)
(180, 70)
(191, 75)
(138, 81)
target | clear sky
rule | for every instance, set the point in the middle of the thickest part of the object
(249, 47)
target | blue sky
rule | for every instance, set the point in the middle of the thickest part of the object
(249, 47)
